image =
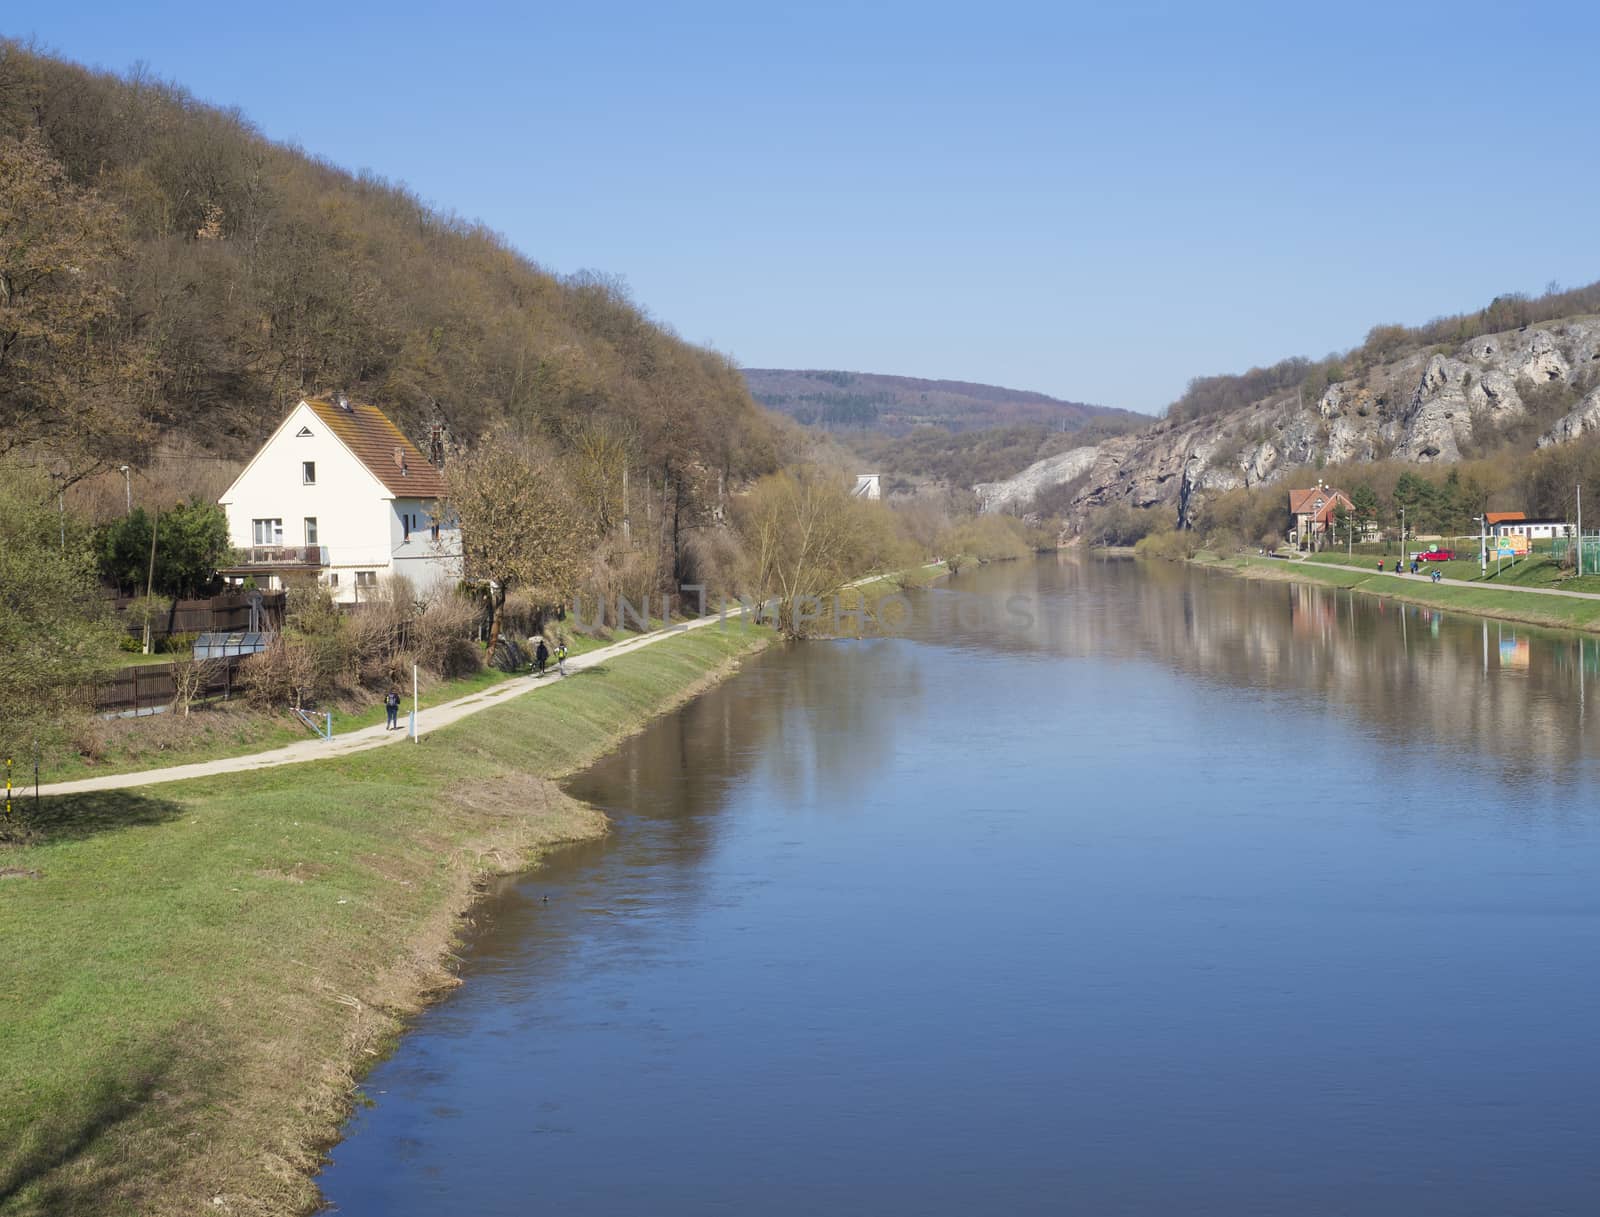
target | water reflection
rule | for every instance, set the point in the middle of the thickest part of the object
(1513, 697)
(1175, 893)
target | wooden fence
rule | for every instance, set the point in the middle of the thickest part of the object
(217, 614)
(150, 685)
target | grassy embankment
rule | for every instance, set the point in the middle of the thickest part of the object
(235, 728)
(1486, 601)
(197, 974)
(1537, 569)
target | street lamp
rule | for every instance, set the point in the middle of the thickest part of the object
(127, 486)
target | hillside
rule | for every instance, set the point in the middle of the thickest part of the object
(1501, 389)
(896, 404)
(171, 275)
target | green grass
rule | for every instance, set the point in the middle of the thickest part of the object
(1535, 570)
(226, 729)
(201, 969)
(888, 584)
(235, 729)
(1485, 600)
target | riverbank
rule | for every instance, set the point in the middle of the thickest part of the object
(198, 973)
(1529, 606)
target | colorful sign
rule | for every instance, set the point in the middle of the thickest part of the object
(1509, 545)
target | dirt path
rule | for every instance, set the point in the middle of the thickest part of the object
(376, 736)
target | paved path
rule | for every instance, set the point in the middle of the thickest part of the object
(430, 719)
(1424, 578)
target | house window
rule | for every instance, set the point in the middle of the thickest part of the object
(405, 523)
(366, 578)
(311, 530)
(333, 578)
(308, 473)
(268, 532)
(435, 530)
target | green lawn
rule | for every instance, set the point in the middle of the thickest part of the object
(1534, 570)
(195, 973)
(888, 584)
(235, 729)
(1486, 599)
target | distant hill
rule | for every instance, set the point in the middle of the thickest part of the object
(894, 405)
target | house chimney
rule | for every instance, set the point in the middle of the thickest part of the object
(400, 459)
(344, 403)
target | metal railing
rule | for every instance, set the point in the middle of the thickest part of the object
(309, 556)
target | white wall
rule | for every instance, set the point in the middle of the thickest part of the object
(420, 558)
(359, 523)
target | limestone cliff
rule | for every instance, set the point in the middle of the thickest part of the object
(1421, 406)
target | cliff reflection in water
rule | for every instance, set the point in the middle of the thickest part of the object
(1513, 697)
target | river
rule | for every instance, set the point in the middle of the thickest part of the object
(1108, 888)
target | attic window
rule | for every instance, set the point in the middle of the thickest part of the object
(303, 433)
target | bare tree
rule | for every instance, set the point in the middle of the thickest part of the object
(520, 526)
(190, 679)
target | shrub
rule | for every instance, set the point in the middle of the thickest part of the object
(441, 635)
(991, 538)
(1175, 546)
(282, 675)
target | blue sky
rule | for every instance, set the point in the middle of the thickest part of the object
(1093, 203)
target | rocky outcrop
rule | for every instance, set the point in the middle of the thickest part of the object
(1584, 418)
(1052, 471)
(1424, 406)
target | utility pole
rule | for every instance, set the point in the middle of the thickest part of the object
(627, 527)
(150, 580)
(127, 487)
(1483, 545)
(1580, 530)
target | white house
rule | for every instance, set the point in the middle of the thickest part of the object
(339, 494)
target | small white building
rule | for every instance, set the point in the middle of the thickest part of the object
(868, 486)
(339, 494)
(1534, 528)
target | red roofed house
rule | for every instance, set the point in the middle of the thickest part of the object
(339, 494)
(1312, 512)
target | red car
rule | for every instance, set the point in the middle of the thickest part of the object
(1436, 555)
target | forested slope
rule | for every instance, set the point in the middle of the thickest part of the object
(165, 270)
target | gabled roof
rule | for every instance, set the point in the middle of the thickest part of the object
(1496, 517)
(1330, 507)
(1304, 500)
(382, 447)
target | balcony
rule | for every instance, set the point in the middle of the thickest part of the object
(254, 558)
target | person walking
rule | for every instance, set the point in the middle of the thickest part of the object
(541, 656)
(391, 707)
(561, 658)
